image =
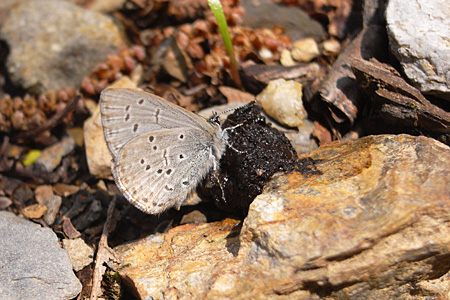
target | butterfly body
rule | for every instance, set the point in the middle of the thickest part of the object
(161, 151)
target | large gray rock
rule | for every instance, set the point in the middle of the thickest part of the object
(296, 22)
(32, 264)
(54, 43)
(419, 34)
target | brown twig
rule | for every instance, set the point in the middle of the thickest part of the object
(55, 120)
(104, 253)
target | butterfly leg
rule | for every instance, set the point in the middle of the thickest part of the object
(230, 145)
(213, 173)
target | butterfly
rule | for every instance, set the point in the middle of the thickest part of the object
(161, 151)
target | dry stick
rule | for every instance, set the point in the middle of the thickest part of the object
(4, 165)
(104, 253)
(55, 120)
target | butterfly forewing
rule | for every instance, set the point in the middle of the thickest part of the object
(159, 169)
(127, 114)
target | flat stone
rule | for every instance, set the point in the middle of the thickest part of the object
(419, 38)
(79, 252)
(53, 205)
(54, 44)
(296, 22)
(370, 223)
(33, 264)
(34, 211)
(51, 156)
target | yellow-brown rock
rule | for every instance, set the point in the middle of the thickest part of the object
(372, 225)
(180, 261)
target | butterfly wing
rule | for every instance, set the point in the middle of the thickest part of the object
(127, 114)
(158, 170)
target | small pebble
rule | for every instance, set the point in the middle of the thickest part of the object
(34, 211)
(282, 100)
(286, 58)
(52, 156)
(332, 46)
(305, 50)
(80, 253)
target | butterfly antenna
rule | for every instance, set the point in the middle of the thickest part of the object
(240, 107)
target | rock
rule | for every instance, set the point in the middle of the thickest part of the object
(331, 47)
(34, 211)
(286, 58)
(195, 217)
(282, 100)
(198, 250)
(79, 252)
(418, 36)
(305, 50)
(97, 153)
(56, 50)
(301, 138)
(33, 264)
(42, 193)
(296, 23)
(53, 205)
(77, 134)
(5, 202)
(22, 193)
(65, 190)
(373, 224)
(52, 156)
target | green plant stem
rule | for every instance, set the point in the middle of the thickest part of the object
(217, 10)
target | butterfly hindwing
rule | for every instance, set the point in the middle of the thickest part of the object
(158, 170)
